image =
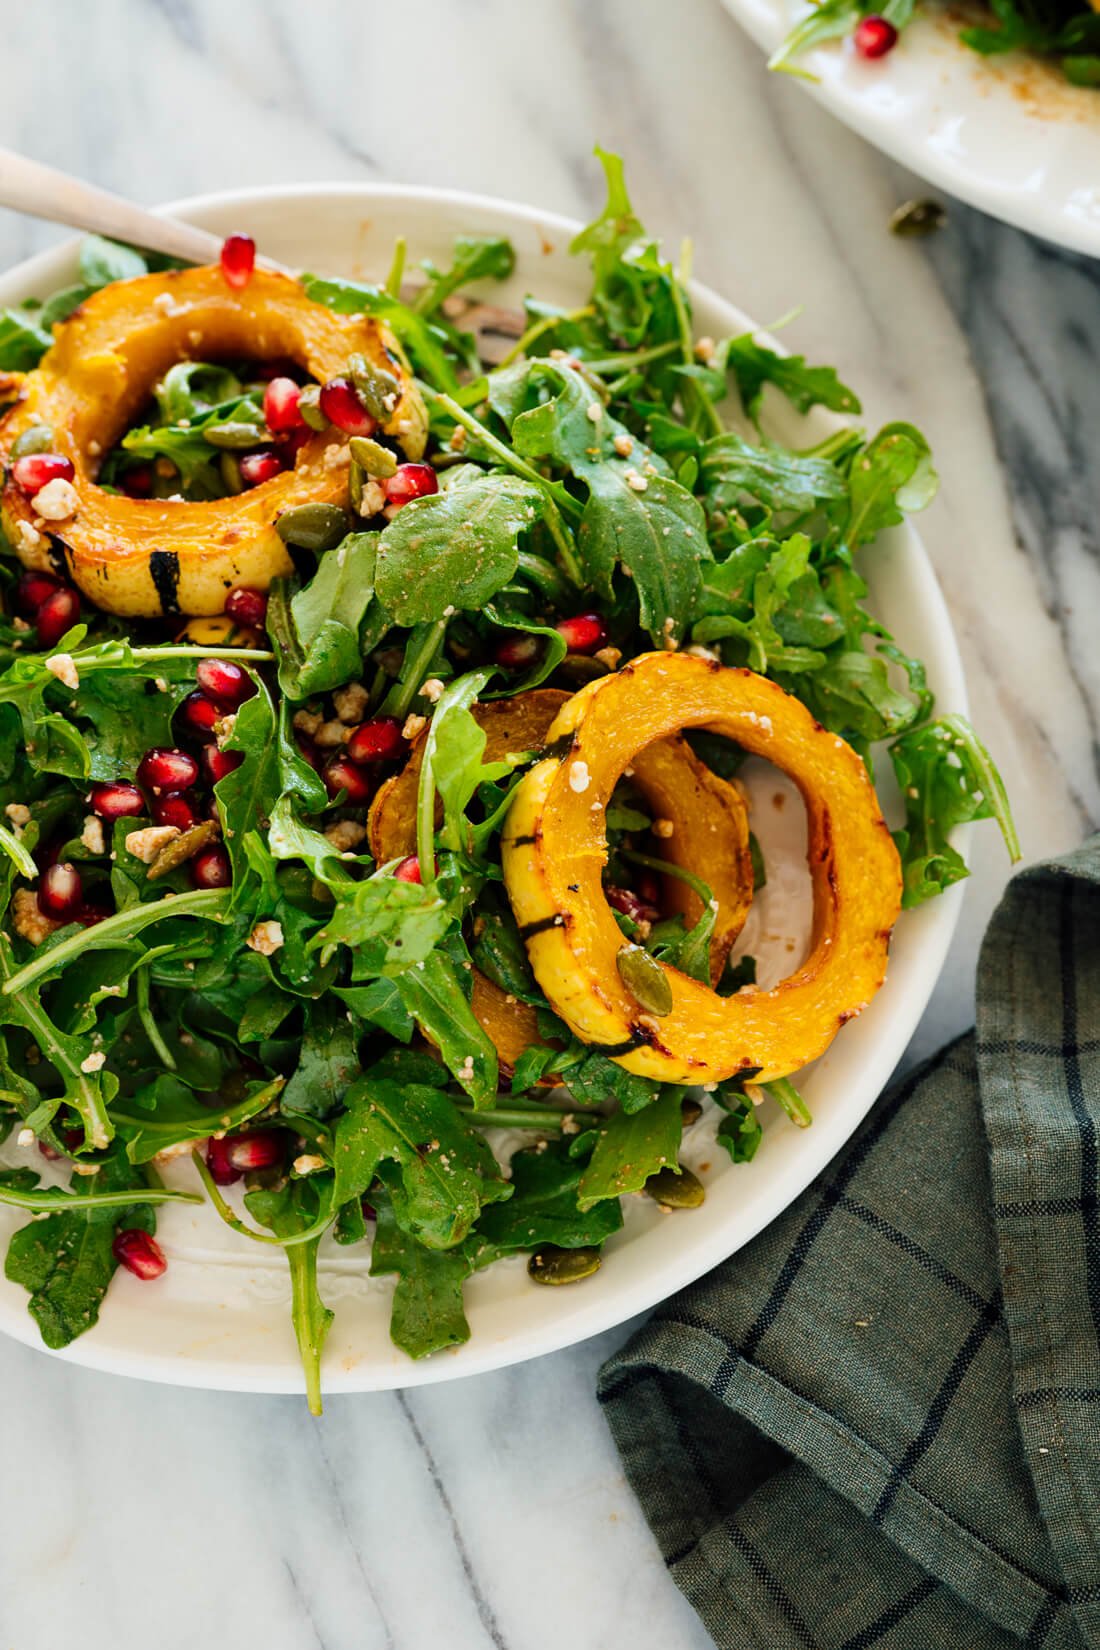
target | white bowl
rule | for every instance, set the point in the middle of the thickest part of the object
(221, 1315)
(1007, 134)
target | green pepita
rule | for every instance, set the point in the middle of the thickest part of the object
(377, 387)
(315, 527)
(234, 435)
(309, 405)
(230, 470)
(553, 1265)
(645, 979)
(915, 218)
(38, 439)
(355, 486)
(675, 1191)
(185, 847)
(375, 459)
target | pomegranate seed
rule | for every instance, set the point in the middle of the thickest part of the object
(57, 614)
(116, 800)
(261, 1149)
(281, 413)
(649, 888)
(138, 482)
(89, 915)
(223, 681)
(341, 405)
(238, 260)
(33, 589)
(517, 651)
(247, 606)
(369, 1211)
(408, 870)
(630, 904)
(280, 366)
(377, 741)
(50, 1153)
(200, 713)
(584, 634)
(290, 445)
(211, 869)
(256, 468)
(222, 1172)
(175, 810)
(875, 37)
(410, 481)
(31, 472)
(167, 770)
(59, 891)
(339, 774)
(140, 1254)
(217, 765)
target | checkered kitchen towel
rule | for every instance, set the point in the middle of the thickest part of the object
(879, 1424)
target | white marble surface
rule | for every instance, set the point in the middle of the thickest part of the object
(493, 1511)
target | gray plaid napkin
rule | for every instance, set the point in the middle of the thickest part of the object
(879, 1424)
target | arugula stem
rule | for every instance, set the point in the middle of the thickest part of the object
(210, 903)
(392, 283)
(687, 350)
(217, 1122)
(19, 855)
(538, 329)
(320, 1225)
(627, 360)
(311, 1317)
(783, 1091)
(522, 1118)
(565, 501)
(148, 1020)
(545, 577)
(49, 1199)
(398, 701)
(666, 868)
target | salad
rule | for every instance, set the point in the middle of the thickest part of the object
(375, 851)
(1065, 31)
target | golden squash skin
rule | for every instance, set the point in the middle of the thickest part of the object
(710, 836)
(147, 557)
(554, 849)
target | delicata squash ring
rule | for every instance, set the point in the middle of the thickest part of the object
(554, 848)
(710, 829)
(147, 557)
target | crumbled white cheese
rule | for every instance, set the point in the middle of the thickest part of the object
(636, 481)
(62, 666)
(336, 457)
(412, 726)
(266, 938)
(432, 689)
(624, 445)
(57, 500)
(28, 918)
(26, 1137)
(92, 835)
(308, 1163)
(29, 538)
(307, 721)
(372, 500)
(578, 776)
(609, 656)
(351, 702)
(18, 813)
(664, 828)
(331, 734)
(223, 730)
(704, 349)
(147, 844)
(594, 411)
(345, 834)
(94, 1062)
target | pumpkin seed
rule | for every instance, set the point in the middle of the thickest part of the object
(316, 527)
(355, 486)
(309, 405)
(690, 1112)
(377, 387)
(185, 847)
(675, 1191)
(645, 979)
(553, 1265)
(39, 438)
(234, 435)
(230, 471)
(918, 218)
(375, 459)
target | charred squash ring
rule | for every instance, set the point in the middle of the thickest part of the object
(145, 557)
(554, 847)
(710, 834)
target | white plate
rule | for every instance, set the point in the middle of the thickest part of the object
(220, 1317)
(1008, 134)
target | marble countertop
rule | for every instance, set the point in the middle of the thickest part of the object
(493, 1511)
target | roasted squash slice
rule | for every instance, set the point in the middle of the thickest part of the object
(554, 848)
(145, 557)
(710, 835)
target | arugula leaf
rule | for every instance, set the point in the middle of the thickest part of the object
(946, 777)
(436, 994)
(23, 341)
(740, 1132)
(828, 20)
(476, 258)
(427, 1313)
(543, 1208)
(890, 478)
(389, 925)
(734, 473)
(329, 1061)
(631, 1148)
(427, 344)
(622, 283)
(381, 1004)
(102, 261)
(754, 365)
(323, 630)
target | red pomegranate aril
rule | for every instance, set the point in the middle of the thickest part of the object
(247, 606)
(58, 613)
(200, 713)
(31, 472)
(378, 741)
(217, 765)
(291, 444)
(630, 904)
(341, 774)
(167, 770)
(222, 1172)
(256, 468)
(138, 482)
(50, 1153)
(875, 37)
(60, 893)
(89, 914)
(116, 800)
(341, 405)
(518, 651)
(410, 481)
(649, 888)
(140, 1254)
(211, 869)
(262, 1149)
(238, 260)
(223, 681)
(33, 589)
(408, 870)
(175, 810)
(586, 633)
(281, 414)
